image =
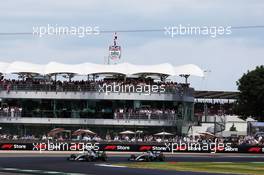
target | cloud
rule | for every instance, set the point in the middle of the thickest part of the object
(227, 57)
(115, 11)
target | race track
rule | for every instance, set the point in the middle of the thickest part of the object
(57, 164)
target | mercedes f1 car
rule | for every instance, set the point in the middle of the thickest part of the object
(148, 157)
(89, 156)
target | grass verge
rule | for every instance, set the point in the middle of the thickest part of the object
(211, 167)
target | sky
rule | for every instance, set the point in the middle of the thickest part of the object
(224, 57)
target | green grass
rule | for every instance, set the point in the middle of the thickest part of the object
(213, 167)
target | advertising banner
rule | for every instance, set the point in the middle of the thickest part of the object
(166, 147)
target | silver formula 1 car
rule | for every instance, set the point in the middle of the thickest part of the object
(88, 156)
(147, 157)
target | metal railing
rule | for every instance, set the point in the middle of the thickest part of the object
(87, 115)
(10, 113)
(144, 116)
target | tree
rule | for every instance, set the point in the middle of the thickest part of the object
(251, 96)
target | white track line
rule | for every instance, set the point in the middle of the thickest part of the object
(16, 170)
(112, 166)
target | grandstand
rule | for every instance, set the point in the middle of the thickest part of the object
(107, 99)
(215, 113)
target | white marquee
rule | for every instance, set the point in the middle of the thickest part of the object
(91, 68)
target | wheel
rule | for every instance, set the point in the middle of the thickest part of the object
(147, 158)
(72, 157)
(104, 158)
(132, 157)
(88, 159)
(161, 158)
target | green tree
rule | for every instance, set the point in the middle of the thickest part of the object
(251, 96)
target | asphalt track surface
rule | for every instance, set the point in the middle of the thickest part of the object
(57, 164)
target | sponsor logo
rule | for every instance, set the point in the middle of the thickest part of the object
(19, 146)
(7, 146)
(145, 148)
(159, 148)
(254, 149)
(110, 147)
(230, 149)
(155, 148)
(123, 148)
(167, 147)
(117, 148)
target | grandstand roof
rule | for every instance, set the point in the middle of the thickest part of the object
(91, 68)
(216, 94)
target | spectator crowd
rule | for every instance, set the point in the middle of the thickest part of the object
(145, 113)
(10, 111)
(139, 138)
(82, 85)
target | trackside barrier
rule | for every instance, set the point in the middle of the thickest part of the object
(166, 147)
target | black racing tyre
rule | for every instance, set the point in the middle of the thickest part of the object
(104, 158)
(132, 157)
(88, 159)
(161, 158)
(72, 157)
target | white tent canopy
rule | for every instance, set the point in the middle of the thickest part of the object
(91, 68)
(189, 69)
(163, 134)
(3, 66)
(127, 132)
(24, 67)
(55, 68)
(83, 131)
(165, 69)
